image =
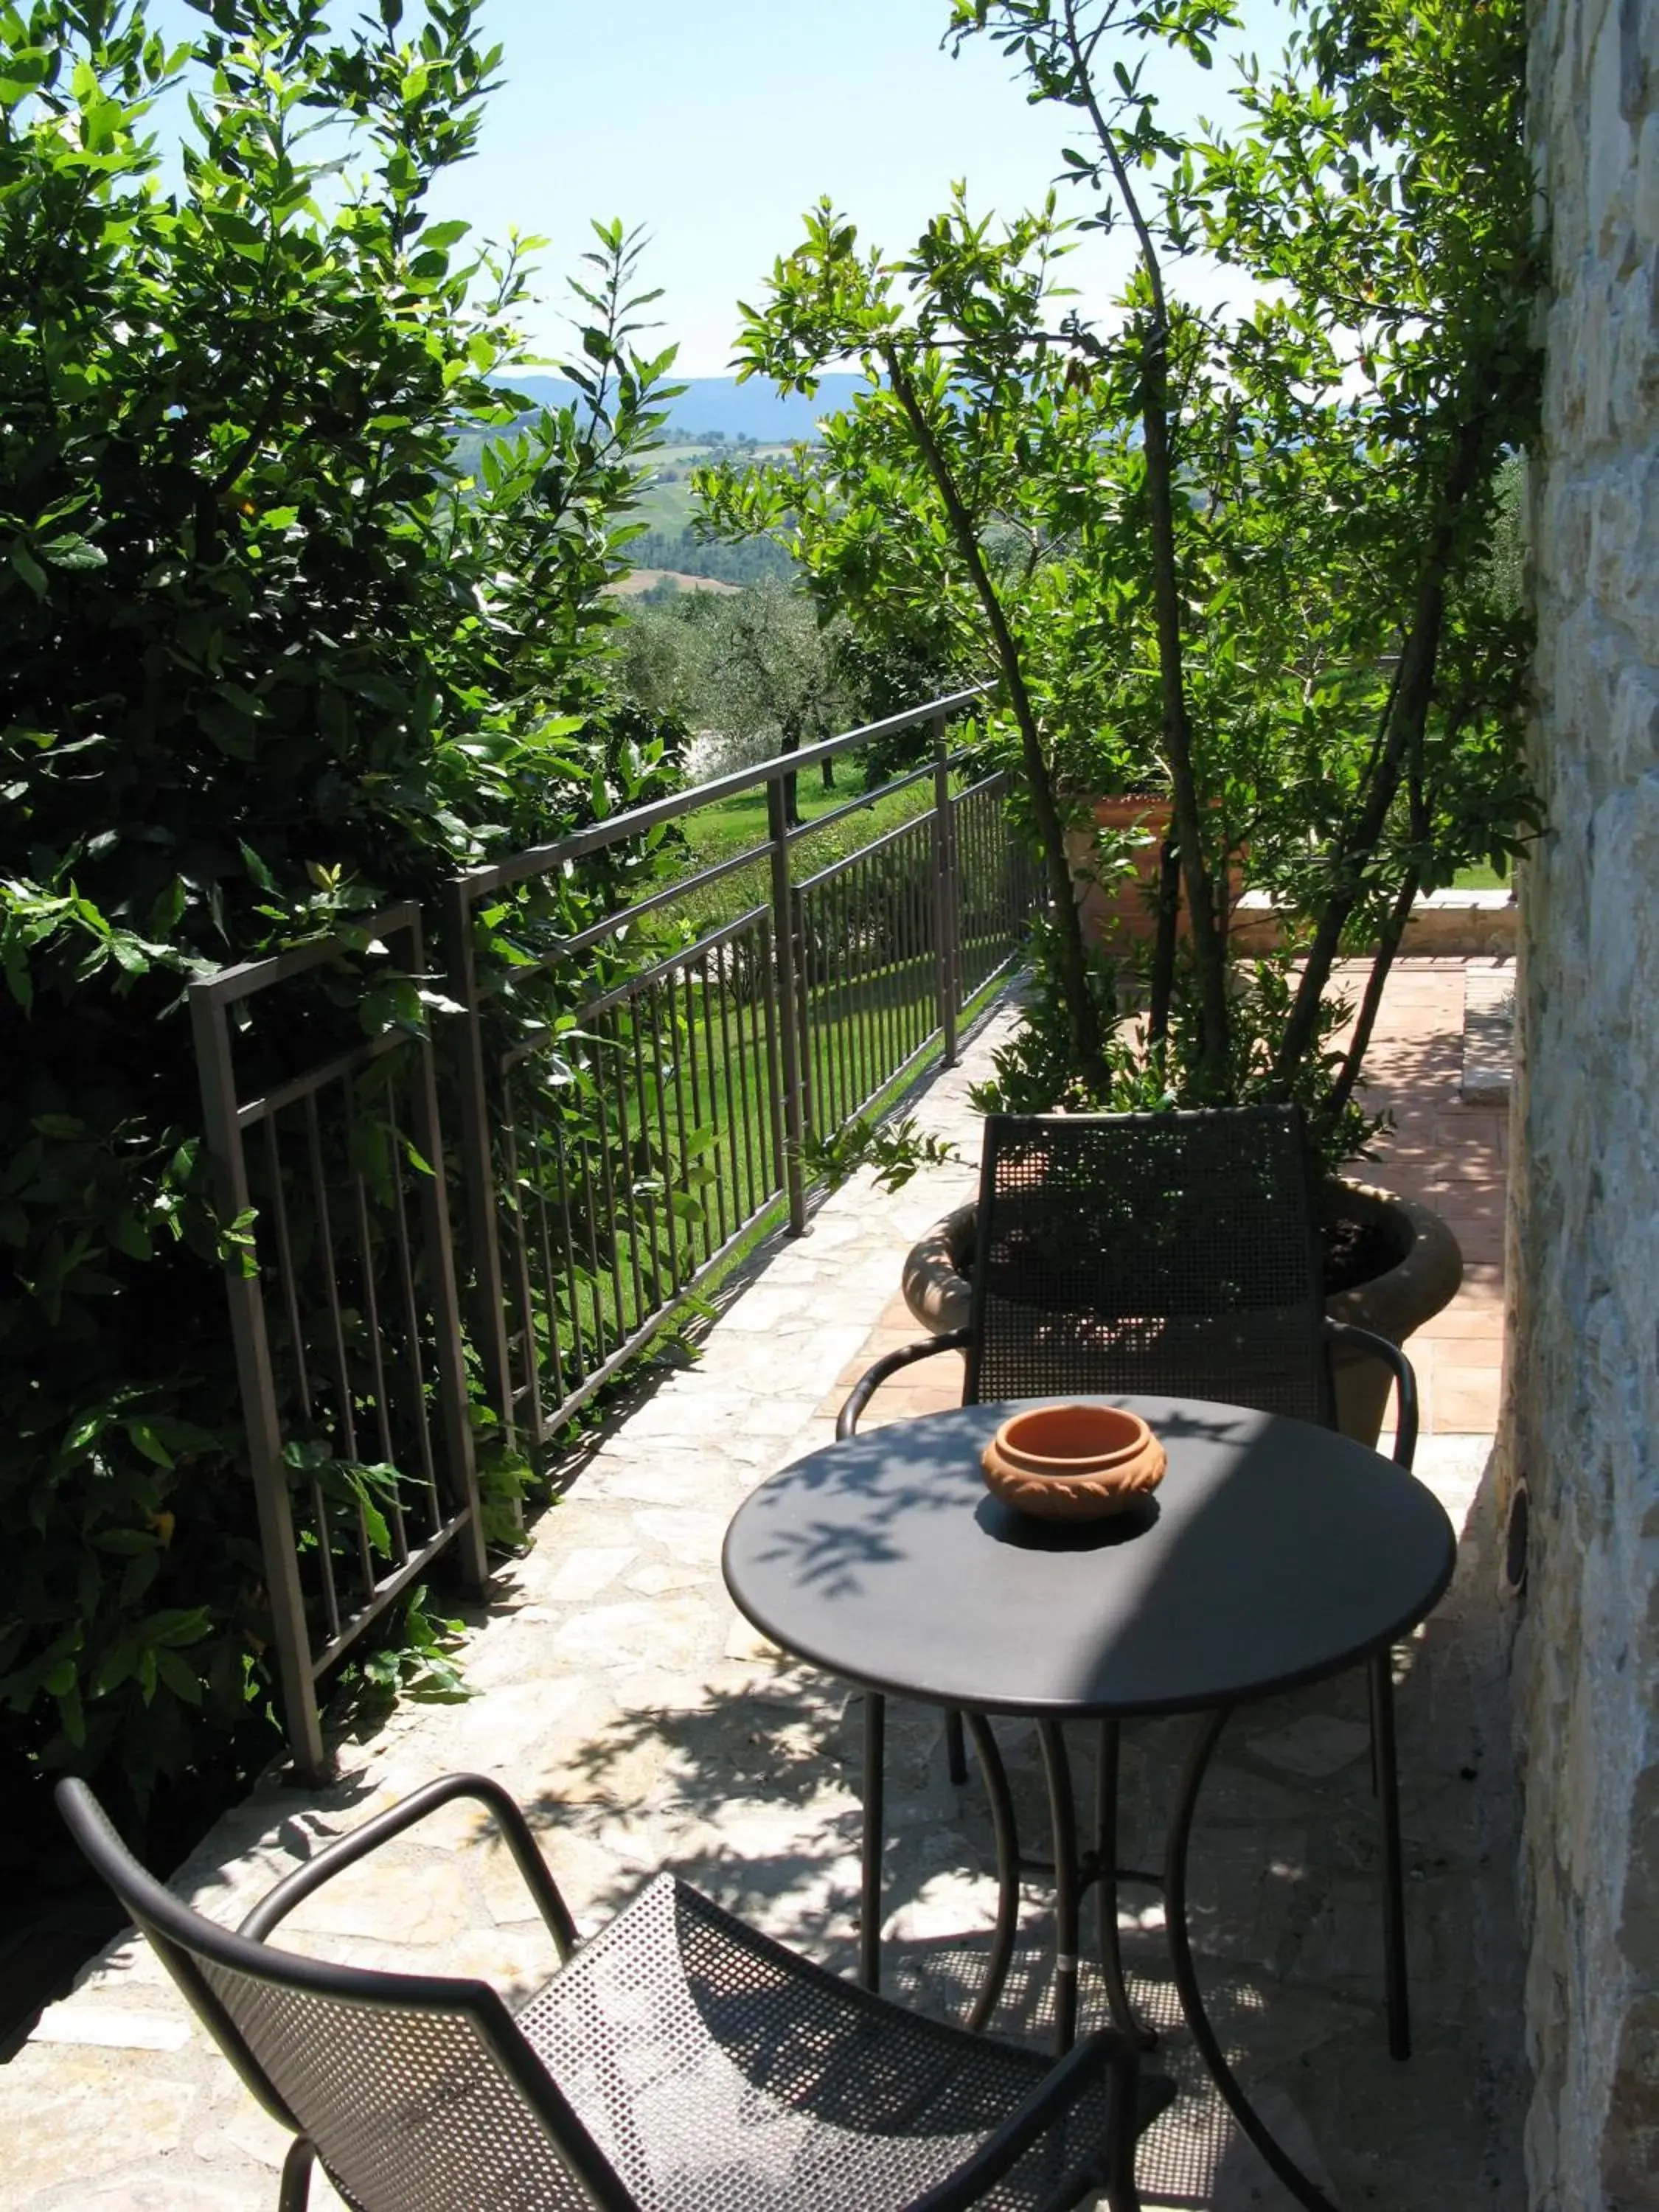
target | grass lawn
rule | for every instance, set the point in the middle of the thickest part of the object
(668, 504)
(1482, 879)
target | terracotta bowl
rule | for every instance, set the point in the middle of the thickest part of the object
(1072, 1462)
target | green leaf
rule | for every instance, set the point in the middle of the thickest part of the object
(29, 570)
(144, 1438)
(72, 552)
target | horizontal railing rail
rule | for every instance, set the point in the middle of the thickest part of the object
(344, 1319)
(668, 1118)
(635, 1096)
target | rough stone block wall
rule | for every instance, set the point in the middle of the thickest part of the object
(1582, 1426)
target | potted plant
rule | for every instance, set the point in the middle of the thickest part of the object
(1242, 560)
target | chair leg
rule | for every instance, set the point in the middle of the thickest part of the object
(875, 1815)
(296, 2176)
(1386, 1766)
(956, 1749)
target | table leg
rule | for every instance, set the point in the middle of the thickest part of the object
(1007, 1846)
(1394, 1888)
(1186, 1978)
(875, 1815)
(1062, 1811)
(1107, 1774)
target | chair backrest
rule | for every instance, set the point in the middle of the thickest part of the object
(1174, 1255)
(419, 2094)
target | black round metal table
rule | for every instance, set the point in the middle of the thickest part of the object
(1274, 1553)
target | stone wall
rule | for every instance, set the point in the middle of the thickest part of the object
(1581, 1426)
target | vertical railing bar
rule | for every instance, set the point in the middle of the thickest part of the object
(513, 1209)
(488, 1303)
(625, 1175)
(737, 1101)
(869, 1007)
(783, 953)
(411, 1314)
(678, 1065)
(342, 1373)
(943, 899)
(693, 1060)
(858, 894)
(908, 950)
(836, 918)
(714, 1061)
(757, 1065)
(325, 1560)
(702, 1098)
(802, 1022)
(812, 1104)
(285, 1265)
(953, 902)
(448, 1353)
(848, 1102)
(371, 1317)
(272, 1497)
(545, 1247)
(774, 1056)
(905, 951)
(642, 1093)
(887, 974)
(820, 1018)
(365, 1551)
(921, 1001)
(662, 1139)
(572, 1272)
(919, 981)
(596, 1270)
(607, 1178)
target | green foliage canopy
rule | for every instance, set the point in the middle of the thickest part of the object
(265, 660)
(1247, 558)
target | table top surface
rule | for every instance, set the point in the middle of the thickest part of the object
(1272, 1553)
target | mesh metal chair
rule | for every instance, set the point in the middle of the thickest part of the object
(677, 2062)
(1174, 1255)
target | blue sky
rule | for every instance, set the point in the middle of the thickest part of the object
(714, 126)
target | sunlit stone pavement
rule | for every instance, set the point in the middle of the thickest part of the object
(645, 1724)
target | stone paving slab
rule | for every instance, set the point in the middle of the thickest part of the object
(645, 1724)
(1488, 1034)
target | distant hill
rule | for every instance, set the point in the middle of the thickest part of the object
(721, 404)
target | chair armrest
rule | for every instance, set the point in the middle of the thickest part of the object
(872, 1378)
(1054, 2097)
(1405, 1380)
(346, 1850)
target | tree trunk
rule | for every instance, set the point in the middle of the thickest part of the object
(1209, 948)
(1163, 944)
(1088, 1045)
(1405, 718)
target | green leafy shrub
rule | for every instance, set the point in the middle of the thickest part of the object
(265, 661)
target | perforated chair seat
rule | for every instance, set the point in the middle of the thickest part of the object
(721, 2072)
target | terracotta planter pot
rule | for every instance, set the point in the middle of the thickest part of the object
(1125, 910)
(1424, 1278)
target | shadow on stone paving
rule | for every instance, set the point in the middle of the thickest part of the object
(757, 1791)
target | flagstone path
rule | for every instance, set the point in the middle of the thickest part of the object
(622, 1697)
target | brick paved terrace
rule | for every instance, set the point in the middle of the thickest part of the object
(645, 1724)
(1446, 1153)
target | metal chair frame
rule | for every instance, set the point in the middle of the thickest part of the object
(576, 2167)
(1322, 1336)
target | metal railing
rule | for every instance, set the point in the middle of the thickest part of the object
(343, 1313)
(634, 1098)
(612, 1165)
